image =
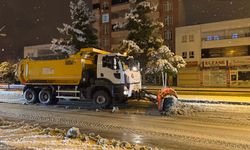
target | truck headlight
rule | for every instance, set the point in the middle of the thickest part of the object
(134, 69)
(125, 92)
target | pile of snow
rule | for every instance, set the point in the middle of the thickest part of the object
(11, 97)
(172, 106)
(12, 86)
(25, 136)
(73, 133)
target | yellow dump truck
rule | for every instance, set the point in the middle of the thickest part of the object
(91, 73)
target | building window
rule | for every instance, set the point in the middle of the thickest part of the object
(168, 6)
(191, 54)
(184, 55)
(191, 38)
(105, 5)
(168, 35)
(30, 54)
(184, 38)
(168, 20)
(225, 52)
(209, 38)
(244, 75)
(119, 14)
(114, 2)
(233, 77)
(234, 35)
(216, 37)
(96, 6)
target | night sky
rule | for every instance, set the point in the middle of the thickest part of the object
(31, 22)
(205, 11)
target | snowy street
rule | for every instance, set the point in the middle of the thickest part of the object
(125, 75)
(214, 126)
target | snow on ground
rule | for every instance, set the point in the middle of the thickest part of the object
(11, 97)
(25, 136)
(175, 107)
(12, 86)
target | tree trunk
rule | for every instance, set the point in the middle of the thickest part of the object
(164, 79)
(8, 86)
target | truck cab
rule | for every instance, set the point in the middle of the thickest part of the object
(123, 72)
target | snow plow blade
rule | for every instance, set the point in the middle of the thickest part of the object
(165, 94)
(161, 98)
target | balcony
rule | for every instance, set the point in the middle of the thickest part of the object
(119, 7)
(226, 41)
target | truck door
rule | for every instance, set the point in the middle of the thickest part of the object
(109, 68)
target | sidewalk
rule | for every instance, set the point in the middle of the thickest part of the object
(150, 87)
(215, 99)
(211, 95)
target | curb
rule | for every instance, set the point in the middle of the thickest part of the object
(214, 102)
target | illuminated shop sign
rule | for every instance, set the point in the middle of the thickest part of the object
(215, 63)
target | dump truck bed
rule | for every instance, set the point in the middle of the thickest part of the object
(63, 71)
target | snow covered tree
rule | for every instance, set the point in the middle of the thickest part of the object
(80, 34)
(165, 62)
(144, 41)
(143, 30)
(8, 73)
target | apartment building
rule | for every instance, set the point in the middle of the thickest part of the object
(217, 54)
(110, 12)
(38, 51)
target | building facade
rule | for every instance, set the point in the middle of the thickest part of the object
(38, 51)
(110, 12)
(217, 54)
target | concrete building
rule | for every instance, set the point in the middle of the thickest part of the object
(37, 50)
(110, 12)
(217, 54)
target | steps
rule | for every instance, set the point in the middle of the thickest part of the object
(68, 94)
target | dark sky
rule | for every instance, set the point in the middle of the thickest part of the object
(30, 22)
(205, 11)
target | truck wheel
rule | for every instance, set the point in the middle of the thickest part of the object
(30, 96)
(102, 99)
(45, 97)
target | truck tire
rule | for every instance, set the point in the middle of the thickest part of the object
(101, 99)
(45, 97)
(30, 96)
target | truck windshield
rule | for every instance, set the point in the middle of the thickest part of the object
(129, 63)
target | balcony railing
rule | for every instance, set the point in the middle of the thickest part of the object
(233, 36)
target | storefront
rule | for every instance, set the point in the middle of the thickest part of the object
(239, 72)
(226, 72)
(190, 76)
